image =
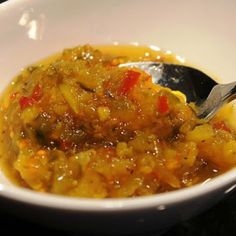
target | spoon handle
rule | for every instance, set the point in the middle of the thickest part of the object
(219, 95)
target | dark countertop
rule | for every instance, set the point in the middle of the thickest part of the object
(218, 221)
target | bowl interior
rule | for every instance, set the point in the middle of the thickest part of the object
(200, 32)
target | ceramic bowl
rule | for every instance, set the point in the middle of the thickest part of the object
(199, 31)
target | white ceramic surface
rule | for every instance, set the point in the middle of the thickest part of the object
(200, 31)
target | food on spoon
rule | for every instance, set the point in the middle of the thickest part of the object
(81, 126)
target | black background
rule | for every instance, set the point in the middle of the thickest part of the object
(219, 220)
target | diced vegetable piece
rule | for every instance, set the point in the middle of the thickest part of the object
(26, 102)
(222, 154)
(200, 133)
(229, 153)
(146, 164)
(103, 113)
(163, 104)
(37, 93)
(113, 168)
(172, 161)
(180, 95)
(69, 93)
(129, 81)
(84, 158)
(144, 143)
(221, 125)
(30, 100)
(122, 150)
(29, 114)
(188, 153)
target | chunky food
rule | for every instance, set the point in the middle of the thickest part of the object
(81, 126)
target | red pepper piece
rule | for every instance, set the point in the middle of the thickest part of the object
(221, 125)
(129, 82)
(26, 102)
(37, 93)
(30, 100)
(163, 104)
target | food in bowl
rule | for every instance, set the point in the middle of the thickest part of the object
(79, 125)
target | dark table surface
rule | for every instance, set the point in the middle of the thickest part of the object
(219, 220)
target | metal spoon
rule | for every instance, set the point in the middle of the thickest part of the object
(197, 86)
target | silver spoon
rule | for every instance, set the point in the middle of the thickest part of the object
(197, 86)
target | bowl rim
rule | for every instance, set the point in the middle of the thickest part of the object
(159, 201)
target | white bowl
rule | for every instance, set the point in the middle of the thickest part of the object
(200, 31)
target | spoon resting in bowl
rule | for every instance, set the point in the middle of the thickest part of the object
(196, 85)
